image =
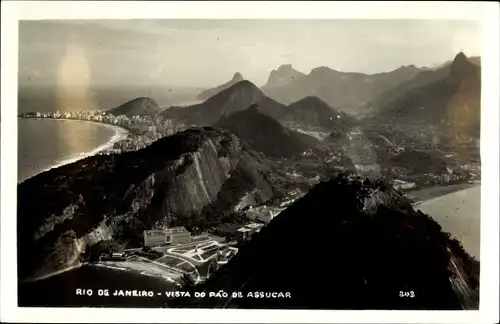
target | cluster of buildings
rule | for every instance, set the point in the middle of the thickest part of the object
(143, 129)
(224, 255)
(403, 185)
(244, 233)
(179, 235)
(167, 236)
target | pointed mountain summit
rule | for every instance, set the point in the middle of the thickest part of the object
(462, 67)
(237, 77)
(236, 98)
(282, 76)
(265, 134)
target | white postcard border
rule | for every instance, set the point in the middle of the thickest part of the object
(485, 12)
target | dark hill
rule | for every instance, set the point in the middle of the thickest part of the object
(138, 107)
(236, 98)
(193, 178)
(312, 112)
(266, 134)
(204, 95)
(348, 245)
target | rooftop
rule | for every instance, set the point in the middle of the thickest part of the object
(253, 225)
(153, 232)
(177, 229)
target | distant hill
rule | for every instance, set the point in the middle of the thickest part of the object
(314, 113)
(193, 178)
(238, 97)
(281, 77)
(449, 98)
(348, 244)
(266, 134)
(345, 91)
(138, 107)
(204, 95)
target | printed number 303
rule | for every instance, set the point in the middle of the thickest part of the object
(410, 294)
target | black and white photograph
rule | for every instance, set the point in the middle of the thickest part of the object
(253, 164)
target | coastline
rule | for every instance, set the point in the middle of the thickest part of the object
(120, 134)
(436, 192)
(55, 273)
(458, 213)
(141, 268)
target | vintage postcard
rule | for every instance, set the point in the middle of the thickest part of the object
(187, 163)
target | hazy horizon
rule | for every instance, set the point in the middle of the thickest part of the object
(206, 53)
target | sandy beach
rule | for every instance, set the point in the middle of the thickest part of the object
(120, 133)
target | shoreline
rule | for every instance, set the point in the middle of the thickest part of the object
(437, 192)
(459, 214)
(120, 134)
(55, 273)
(140, 268)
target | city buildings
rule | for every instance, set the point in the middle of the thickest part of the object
(244, 233)
(173, 236)
(403, 185)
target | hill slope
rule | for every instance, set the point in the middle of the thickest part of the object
(266, 134)
(348, 245)
(204, 95)
(314, 113)
(137, 107)
(236, 98)
(173, 181)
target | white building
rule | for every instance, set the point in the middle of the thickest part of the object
(403, 185)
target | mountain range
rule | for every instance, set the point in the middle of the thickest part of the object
(449, 98)
(342, 90)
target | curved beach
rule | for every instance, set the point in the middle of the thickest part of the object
(120, 134)
(70, 151)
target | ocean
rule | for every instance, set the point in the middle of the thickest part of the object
(61, 290)
(458, 213)
(46, 143)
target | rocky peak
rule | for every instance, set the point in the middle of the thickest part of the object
(282, 76)
(461, 66)
(237, 77)
(285, 67)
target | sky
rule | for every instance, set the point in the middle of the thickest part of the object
(206, 53)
